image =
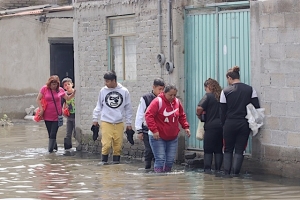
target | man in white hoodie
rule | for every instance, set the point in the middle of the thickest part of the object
(113, 102)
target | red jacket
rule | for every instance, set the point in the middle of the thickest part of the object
(165, 119)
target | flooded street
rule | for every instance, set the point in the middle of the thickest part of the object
(28, 171)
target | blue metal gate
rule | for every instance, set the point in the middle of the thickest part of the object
(214, 42)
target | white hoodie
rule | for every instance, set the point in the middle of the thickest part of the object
(112, 104)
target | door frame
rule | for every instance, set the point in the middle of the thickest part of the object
(214, 9)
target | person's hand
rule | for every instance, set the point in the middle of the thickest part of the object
(140, 136)
(95, 124)
(41, 113)
(156, 135)
(187, 132)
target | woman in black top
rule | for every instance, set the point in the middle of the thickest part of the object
(234, 100)
(213, 138)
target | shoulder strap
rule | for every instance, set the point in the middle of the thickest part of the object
(160, 102)
(54, 102)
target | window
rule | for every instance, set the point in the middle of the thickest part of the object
(123, 46)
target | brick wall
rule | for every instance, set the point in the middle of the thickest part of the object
(275, 51)
(11, 4)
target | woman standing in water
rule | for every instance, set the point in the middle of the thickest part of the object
(234, 100)
(213, 136)
(52, 94)
(162, 117)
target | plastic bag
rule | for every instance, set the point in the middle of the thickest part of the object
(37, 117)
(255, 118)
(95, 130)
(66, 112)
(200, 131)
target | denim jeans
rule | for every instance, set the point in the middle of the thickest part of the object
(164, 153)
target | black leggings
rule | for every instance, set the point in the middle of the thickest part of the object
(213, 141)
(52, 128)
(236, 134)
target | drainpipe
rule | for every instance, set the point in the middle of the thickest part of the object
(169, 30)
(217, 44)
(160, 35)
(169, 64)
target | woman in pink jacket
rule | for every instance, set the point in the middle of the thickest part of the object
(52, 94)
(162, 118)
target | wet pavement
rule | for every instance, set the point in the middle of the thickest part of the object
(28, 171)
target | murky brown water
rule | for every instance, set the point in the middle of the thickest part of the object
(28, 171)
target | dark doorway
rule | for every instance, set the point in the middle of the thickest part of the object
(62, 57)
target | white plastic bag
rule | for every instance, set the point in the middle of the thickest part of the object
(255, 118)
(200, 131)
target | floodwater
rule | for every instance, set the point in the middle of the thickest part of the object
(28, 171)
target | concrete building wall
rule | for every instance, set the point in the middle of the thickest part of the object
(25, 59)
(275, 50)
(91, 52)
(12, 4)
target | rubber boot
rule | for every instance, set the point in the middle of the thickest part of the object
(116, 159)
(55, 146)
(218, 161)
(237, 164)
(104, 160)
(207, 162)
(51, 145)
(167, 169)
(67, 143)
(227, 163)
(147, 164)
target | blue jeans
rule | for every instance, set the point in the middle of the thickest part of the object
(164, 153)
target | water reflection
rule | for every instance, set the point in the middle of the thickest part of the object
(28, 171)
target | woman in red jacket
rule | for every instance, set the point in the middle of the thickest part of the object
(162, 118)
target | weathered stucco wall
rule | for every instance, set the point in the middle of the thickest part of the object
(12, 4)
(275, 51)
(25, 59)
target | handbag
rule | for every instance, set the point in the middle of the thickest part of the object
(60, 116)
(200, 131)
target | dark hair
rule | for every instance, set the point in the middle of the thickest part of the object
(111, 75)
(214, 87)
(66, 80)
(159, 82)
(170, 87)
(233, 73)
(53, 79)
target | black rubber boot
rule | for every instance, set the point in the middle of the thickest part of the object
(218, 161)
(207, 162)
(227, 163)
(104, 160)
(51, 145)
(116, 159)
(147, 164)
(67, 143)
(55, 146)
(237, 164)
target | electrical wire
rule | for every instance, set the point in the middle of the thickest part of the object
(48, 23)
(28, 19)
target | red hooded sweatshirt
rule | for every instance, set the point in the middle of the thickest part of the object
(165, 119)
